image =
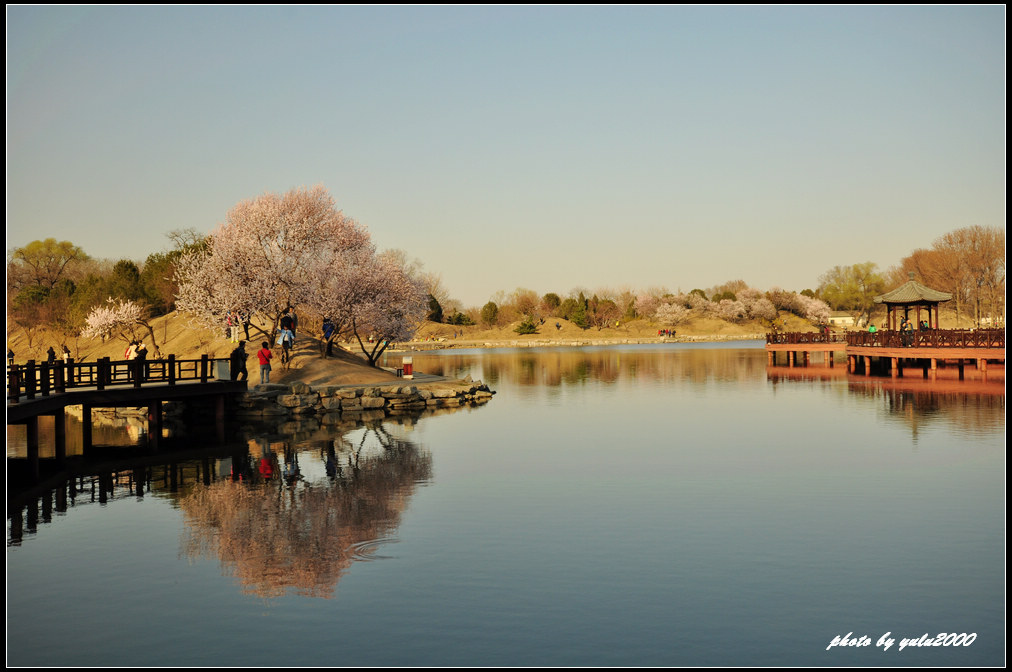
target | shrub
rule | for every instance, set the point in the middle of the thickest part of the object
(527, 326)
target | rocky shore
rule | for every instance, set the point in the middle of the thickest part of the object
(336, 402)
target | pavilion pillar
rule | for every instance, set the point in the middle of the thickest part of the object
(867, 366)
(790, 358)
(769, 358)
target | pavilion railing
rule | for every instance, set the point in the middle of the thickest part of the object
(803, 337)
(31, 379)
(930, 338)
(925, 338)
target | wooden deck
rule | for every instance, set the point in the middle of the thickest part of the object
(893, 351)
(47, 389)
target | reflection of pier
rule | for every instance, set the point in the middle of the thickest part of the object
(891, 351)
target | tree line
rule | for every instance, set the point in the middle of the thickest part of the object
(968, 263)
(297, 250)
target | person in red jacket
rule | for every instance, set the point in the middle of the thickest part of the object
(264, 355)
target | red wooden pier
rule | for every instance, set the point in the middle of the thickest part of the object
(892, 351)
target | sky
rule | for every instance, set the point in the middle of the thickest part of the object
(552, 148)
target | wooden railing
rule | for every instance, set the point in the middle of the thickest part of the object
(926, 338)
(930, 338)
(804, 337)
(31, 379)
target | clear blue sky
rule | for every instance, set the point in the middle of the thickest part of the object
(547, 147)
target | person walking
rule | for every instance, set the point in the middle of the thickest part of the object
(140, 361)
(237, 361)
(264, 355)
(286, 339)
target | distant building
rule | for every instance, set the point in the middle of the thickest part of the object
(841, 319)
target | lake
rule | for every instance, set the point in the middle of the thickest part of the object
(669, 505)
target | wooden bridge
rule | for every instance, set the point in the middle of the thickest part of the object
(45, 389)
(926, 349)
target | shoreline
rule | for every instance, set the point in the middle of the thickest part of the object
(461, 344)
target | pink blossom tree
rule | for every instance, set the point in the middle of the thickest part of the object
(268, 255)
(122, 319)
(391, 305)
(814, 310)
(673, 313)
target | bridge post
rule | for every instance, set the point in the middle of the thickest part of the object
(102, 372)
(203, 368)
(30, 379)
(14, 383)
(44, 369)
(59, 384)
(172, 369)
(60, 435)
(70, 372)
(154, 424)
(33, 446)
(86, 427)
(219, 417)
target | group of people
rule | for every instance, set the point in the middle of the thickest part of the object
(234, 320)
(666, 333)
(50, 355)
(906, 329)
(237, 362)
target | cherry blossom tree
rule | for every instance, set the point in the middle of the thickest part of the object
(814, 310)
(122, 319)
(391, 305)
(673, 313)
(268, 255)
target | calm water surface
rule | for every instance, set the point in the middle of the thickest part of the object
(630, 505)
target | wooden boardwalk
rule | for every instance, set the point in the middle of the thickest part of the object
(47, 389)
(893, 350)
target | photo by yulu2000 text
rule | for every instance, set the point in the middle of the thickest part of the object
(885, 642)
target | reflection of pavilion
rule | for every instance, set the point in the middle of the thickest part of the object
(920, 403)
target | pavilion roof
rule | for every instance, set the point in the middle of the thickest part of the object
(913, 292)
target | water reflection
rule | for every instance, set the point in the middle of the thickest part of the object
(973, 408)
(288, 509)
(555, 367)
(296, 517)
(971, 405)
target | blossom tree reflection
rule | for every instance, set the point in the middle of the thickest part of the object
(275, 536)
